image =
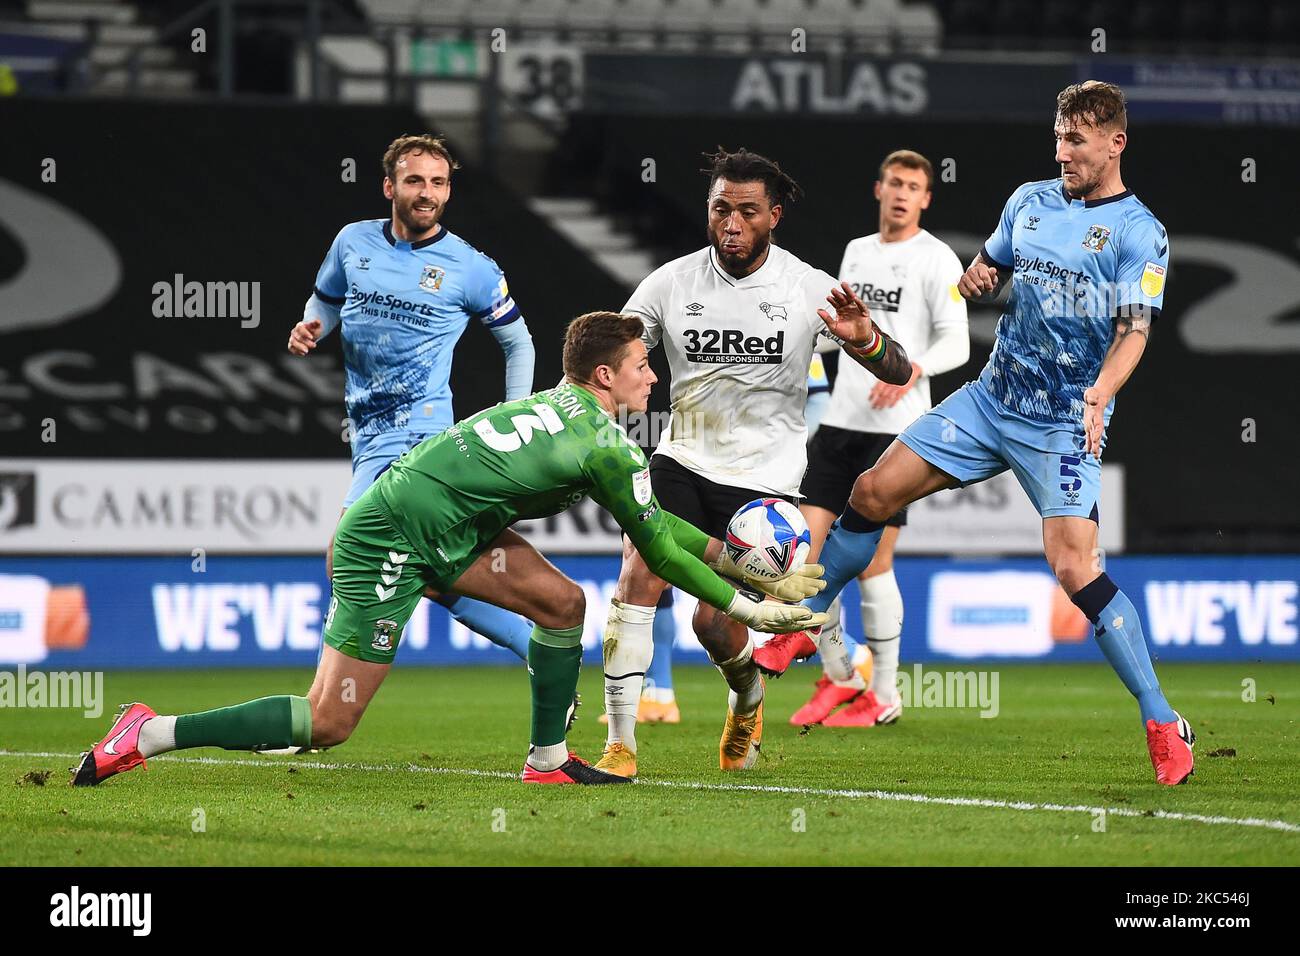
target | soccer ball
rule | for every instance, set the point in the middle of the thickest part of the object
(768, 539)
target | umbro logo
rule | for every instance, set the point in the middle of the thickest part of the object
(694, 310)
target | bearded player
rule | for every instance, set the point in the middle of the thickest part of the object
(1087, 264)
(908, 279)
(739, 321)
(402, 291)
(658, 701)
(440, 517)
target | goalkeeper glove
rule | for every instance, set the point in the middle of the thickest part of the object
(802, 583)
(772, 618)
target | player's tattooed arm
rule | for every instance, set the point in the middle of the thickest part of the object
(871, 348)
(893, 367)
(983, 281)
(1132, 329)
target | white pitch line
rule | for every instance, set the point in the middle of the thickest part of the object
(980, 802)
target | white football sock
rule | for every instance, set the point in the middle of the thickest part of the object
(836, 664)
(550, 757)
(744, 679)
(628, 646)
(882, 622)
(157, 736)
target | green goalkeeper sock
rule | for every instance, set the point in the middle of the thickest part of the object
(554, 659)
(265, 723)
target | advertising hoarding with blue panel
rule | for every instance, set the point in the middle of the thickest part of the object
(144, 612)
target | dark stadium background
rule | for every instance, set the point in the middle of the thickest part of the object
(225, 165)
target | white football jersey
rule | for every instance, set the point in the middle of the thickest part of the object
(911, 289)
(738, 350)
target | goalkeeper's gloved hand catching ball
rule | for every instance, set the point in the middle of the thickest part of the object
(772, 617)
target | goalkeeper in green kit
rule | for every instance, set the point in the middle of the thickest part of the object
(440, 517)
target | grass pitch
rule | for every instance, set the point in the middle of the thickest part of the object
(427, 779)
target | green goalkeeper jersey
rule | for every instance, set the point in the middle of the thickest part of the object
(453, 494)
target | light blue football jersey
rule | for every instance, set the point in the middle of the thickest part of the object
(1077, 264)
(403, 306)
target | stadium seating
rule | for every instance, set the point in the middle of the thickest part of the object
(684, 24)
(1132, 26)
(883, 27)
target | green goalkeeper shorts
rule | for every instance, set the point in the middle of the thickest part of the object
(378, 580)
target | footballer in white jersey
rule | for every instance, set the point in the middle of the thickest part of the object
(739, 352)
(908, 279)
(740, 321)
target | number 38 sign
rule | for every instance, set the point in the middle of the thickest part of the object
(542, 76)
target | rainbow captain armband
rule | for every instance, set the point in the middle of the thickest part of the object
(872, 350)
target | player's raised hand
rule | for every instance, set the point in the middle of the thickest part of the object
(978, 281)
(1094, 419)
(851, 320)
(303, 337)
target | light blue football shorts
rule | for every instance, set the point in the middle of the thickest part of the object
(972, 436)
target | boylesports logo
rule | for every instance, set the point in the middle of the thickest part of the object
(773, 311)
(1048, 268)
(878, 297)
(416, 313)
(733, 347)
